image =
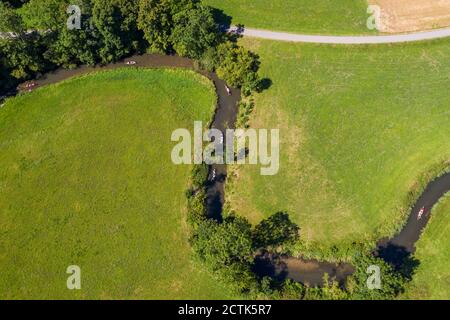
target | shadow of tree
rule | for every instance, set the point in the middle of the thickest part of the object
(275, 231)
(264, 84)
(221, 18)
(214, 206)
(400, 258)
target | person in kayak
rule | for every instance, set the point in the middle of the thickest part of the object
(420, 214)
(228, 90)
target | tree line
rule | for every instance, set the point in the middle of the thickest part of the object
(36, 37)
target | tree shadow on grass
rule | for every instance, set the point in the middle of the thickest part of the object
(222, 19)
(264, 84)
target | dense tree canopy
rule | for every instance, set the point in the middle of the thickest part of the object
(195, 31)
(112, 29)
(10, 20)
(23, 57)
(47, 14)
(236, 65)
(224, 244)
(155, 20)
(116, 21)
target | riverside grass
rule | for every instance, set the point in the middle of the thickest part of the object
(431, 279)
(87, 180)
(301, 16)
(362, 130)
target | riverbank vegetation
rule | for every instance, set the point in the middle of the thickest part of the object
(87, 180)
(432, 278)
(360, 138)
(230, 249)
(110, 30)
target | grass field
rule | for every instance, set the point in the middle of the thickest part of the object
(432, 278)
(86, 179)
(358, 127)
(307, 16)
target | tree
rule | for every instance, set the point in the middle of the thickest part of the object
(115, 20)
(10, 20)
(275, 231)
(155, 19)
(235, 63)
(392, 282)
(23, 56)
(195, 31)
(224, 244)
(73, 47)
(22, 52)
(227, 249)
(6, 81)
(16, 3)
(47, 14)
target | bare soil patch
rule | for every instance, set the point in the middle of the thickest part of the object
(413, 15)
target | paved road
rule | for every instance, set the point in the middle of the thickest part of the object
(292, 37)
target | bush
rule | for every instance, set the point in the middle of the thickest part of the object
(209, 60)
(199, 175)
(196, 208)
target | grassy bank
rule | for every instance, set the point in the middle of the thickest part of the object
(87, 180)
(360, 126)
(303, 16)
(432, 278)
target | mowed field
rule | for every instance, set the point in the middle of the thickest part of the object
(432, 277)
(304, 16)
(359, 126)
(86, 179)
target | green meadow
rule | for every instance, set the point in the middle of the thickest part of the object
(362, 129)
(86, 179)
(302, 16)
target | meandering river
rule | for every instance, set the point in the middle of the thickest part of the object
(306, 271)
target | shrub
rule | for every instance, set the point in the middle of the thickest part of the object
(199, 175)
(196, 208)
